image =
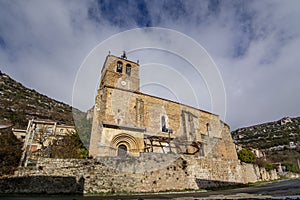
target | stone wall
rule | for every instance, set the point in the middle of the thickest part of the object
(131, 174)
(42, 184)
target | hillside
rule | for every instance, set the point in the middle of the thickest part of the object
(19, 104)
(268, 135)
(279, 140)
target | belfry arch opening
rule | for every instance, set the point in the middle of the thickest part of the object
(119, 67)
(128, 69)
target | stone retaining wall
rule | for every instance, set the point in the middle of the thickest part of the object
(42, 185)
(132, 174)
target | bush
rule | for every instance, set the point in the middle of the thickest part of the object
(70, 146)
(246, 155)
(261, 162)
(269, 167)
(289, 166)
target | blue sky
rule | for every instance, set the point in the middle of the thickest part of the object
(255, 45)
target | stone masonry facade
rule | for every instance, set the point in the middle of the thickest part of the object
(126, 121)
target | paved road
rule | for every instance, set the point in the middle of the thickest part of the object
(282, 188)
(278, 190)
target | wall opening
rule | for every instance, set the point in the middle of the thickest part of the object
(208, 129)
(163, 124)
(128, 69)
(119, 67)
(122, 150)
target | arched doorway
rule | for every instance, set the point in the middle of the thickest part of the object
(125, 143)
(122, 150)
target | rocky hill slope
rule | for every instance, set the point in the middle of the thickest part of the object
(269, 135)
(279, 140)
(19, 104)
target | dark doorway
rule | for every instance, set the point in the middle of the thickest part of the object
(122, 150)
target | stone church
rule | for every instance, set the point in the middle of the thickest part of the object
(142, 143)
(127, 122)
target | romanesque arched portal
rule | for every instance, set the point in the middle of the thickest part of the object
(124, 144)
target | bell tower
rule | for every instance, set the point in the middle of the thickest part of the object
(118, 72)
(115, 108)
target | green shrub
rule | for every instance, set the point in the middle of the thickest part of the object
(246, 155)
(261, 162)
(289, 166)
(269, 167)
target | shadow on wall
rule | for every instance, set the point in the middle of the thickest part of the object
(206, 184)
(42, 185)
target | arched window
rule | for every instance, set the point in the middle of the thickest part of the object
(128, 69)
(163, 124)
(119, 66)
(122, 150)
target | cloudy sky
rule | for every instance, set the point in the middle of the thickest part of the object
(255, 46)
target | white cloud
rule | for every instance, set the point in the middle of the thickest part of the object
(255, 45)
(46, 43)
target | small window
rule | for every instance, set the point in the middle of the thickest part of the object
(119, 66)
(208, 129)
(128, 69)
(163, 124)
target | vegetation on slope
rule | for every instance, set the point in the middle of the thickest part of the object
(246, 155)
(19, 104)
(280, 140)
(10, 151)
(267, 135)
(69, 147)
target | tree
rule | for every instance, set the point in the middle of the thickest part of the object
(10, 152)
(42, 136)
(246, 155)
(68, 146)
